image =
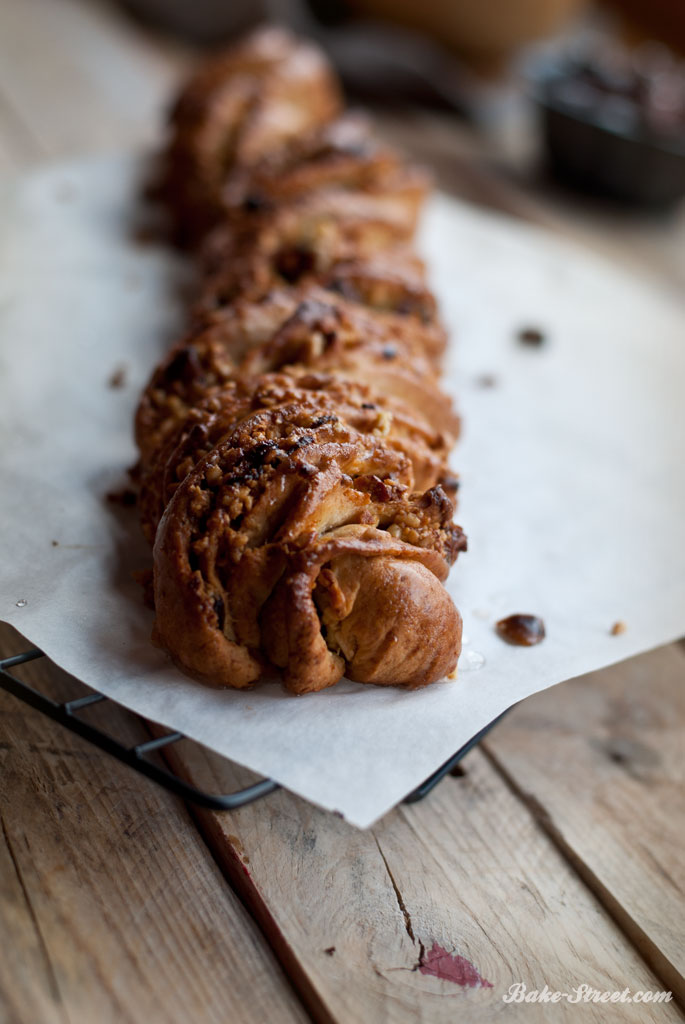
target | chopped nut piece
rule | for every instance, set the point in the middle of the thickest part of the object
(521, 630)
(532, 336)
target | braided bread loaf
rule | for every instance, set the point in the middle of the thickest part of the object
(293, 445)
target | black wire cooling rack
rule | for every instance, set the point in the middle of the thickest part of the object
(66, 713)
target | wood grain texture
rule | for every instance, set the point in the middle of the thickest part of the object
(600, 761)
(27, 983)
(355, 915)
(112, 908)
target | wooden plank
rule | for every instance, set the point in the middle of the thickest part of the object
(355, 916)
(600, 761)
(112, 907)
(27, 985)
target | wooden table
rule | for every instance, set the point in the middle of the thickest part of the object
(554, 857)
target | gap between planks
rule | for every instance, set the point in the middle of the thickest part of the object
(351, 914)
(668, 975)
(600, 763)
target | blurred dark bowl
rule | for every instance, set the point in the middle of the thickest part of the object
(604, 149)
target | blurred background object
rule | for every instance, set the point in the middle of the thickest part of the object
(202, 21)
(614, 120)
(589, 94)
(484, 35)
(653, 19)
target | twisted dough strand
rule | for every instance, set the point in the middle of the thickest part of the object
(293, 444)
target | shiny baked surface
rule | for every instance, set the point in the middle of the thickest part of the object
(293, 444)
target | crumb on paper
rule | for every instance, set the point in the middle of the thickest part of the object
(55, 543)
(330, 951)
(452, 674)
(118, 378)
(618, 627)
(486, 380)
(532, 336)
(22, 602)
(521, 629)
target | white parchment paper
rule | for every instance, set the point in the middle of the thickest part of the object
(573, 492)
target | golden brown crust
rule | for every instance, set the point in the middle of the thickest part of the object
(236, 108)
(212, 419)
(250, 528)
(293, 445)
(302, 241)
(394, 355)
(388, 592)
